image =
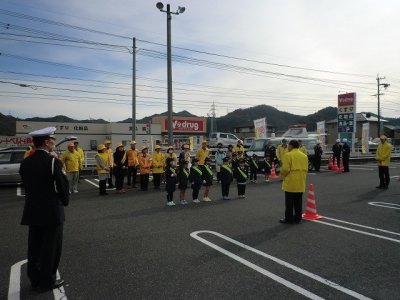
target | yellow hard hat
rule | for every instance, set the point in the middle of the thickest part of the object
(383, 137)
(157, 147)
(132, 143)
(101, 147)
(107, 142)
(144, 148)
(119, 145)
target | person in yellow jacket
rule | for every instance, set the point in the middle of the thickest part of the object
(110, 153)
(133, 163)
(145, 166)
(239, 147)
(281, 150)
(158, 163)
(202, 153)
(103, 168)
(71, 161)
(82, 157)
(302, 148)
(294, 173)
(383, 155)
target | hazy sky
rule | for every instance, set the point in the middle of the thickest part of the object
(295, 55)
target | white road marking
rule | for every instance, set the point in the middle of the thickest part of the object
(277, 260)
(19, 192)
(361, 168)
(363, 226)
(385, 204)
(15, 278)
(14, 289)
(397, 176)
(92, 183)
(59, 294)
(358, 231)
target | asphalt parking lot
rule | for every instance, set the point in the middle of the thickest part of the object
(131, 246)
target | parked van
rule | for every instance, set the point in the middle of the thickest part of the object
(259, 146)
(224, 138)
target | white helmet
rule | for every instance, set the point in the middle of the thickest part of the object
(344, 140)
(338, 141)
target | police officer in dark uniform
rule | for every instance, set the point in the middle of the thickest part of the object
(46, 194)
(270, 152)
(317, 156)
(345, 155)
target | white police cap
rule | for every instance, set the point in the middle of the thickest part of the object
(44, 132)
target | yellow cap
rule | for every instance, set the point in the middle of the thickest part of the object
(157, 147)
(383, 137)
(107, 142)
(132, 143)
(144, 148)
(101, 147)
(119, 145)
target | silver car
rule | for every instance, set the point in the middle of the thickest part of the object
(10, 159)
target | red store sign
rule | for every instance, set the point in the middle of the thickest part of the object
(184, 125)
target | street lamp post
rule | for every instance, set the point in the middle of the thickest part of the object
(169, 13)
(385, 85)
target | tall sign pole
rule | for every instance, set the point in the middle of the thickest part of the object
(133, 88)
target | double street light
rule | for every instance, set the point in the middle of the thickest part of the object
(169, 13)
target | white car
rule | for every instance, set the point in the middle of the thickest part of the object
(224, 138)
(10, 159)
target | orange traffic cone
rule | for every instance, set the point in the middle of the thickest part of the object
(273, 174)
(330, 164)
(335, 166)
(340, 169)
(311, 207)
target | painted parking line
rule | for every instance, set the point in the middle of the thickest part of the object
(278, 279)
(14, 288)
(385, 204)
(92, 183)
(359, 231)
(19, 192)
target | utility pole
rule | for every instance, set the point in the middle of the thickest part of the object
(134, 89)
(213, 125)
(385, 85)
(169, 13)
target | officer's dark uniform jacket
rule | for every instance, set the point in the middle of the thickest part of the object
(346, 150)
(46, 191)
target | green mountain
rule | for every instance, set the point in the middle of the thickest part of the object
(276, 118)
(7, 125)
(145, 120)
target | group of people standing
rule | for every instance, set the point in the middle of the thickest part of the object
(341, 150)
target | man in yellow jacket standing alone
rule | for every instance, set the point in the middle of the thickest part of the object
(72, 162)
(383, 155)
(294, 174)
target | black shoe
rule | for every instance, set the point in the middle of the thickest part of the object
(298, 221)
(284, 221)
(385, 187)
(379, 187)
(55, 285)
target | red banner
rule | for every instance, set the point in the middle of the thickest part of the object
(184, 125)
(346, 99)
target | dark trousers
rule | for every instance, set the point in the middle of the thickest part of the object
(317, 163)
(241, 189)
(337, 157)
(110, 182)
(346, 163)
(384, 178)
(132, 171)
(119, 178)
(144, 181)
(44, 253)
(293, 201)
(253, 174)
(218, 176)
(170, 196)
(157, 179)
(195, 192)
(225, 189)
(102, 187)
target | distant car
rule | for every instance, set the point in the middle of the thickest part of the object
(259, 145)
(247, 142)
(224, 138)
(10, 160)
